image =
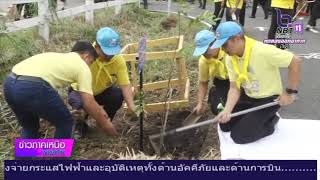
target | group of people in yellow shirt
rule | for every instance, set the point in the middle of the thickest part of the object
(95, 73)
(245, 74)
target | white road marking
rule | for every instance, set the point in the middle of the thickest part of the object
(261, 28)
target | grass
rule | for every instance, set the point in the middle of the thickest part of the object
(14, 48)
(132, 23)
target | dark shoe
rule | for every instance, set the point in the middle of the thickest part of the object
(266, 17)
(307, 29)
(312, 29)
(275, 119)
(252, 16)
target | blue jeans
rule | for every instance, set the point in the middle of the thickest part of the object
(31, 100)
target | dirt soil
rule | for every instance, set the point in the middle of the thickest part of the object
(184, 145)
(190, 144)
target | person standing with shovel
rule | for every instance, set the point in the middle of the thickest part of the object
(253, 69)
(211, 65)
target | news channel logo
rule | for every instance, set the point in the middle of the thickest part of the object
(286, 27)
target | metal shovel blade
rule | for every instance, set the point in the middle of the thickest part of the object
(191, 119)
(203, 123)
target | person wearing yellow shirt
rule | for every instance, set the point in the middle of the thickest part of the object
(211, 65)
(233, 9)
(30, 90)
(110, 80)
(254, 74)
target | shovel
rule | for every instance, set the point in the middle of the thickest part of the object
(214, 27)
(214, 120)
(191, 119)
(304, 4)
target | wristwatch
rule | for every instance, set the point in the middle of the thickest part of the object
(291, 91)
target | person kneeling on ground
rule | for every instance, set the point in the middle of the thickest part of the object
(211, 65)
(254, 66)
(110, 83)
(30, 90)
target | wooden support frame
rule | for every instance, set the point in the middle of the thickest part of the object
(182, 83)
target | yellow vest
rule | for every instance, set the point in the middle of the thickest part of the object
(232, 4)
(284, 4)
(242, 75)
(58, 69)
(260, 69)
(213, 67)
(106, 74)
(217, 68)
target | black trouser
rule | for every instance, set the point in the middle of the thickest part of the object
(264, 6)
(274, 24)
(228, 14)
(218, 94)
(254, 125)
(217, 9)
(242, 14)
(111, 99)
(295, 6)
(27, 9)
(202, 3)
(315, 13)
(309, 7)
(269, 6)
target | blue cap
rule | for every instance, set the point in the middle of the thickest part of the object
(202, 41)
(225, 31)
(109, 41)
